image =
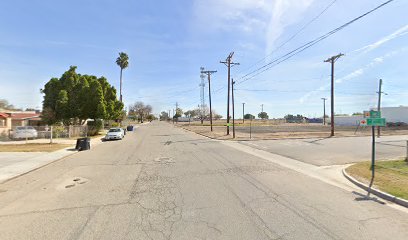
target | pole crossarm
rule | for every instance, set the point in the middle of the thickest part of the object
(209, 73)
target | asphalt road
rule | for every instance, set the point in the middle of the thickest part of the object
(162, 182)
(335, 151)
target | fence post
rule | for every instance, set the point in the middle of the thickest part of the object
(250, 129)
(51, 135)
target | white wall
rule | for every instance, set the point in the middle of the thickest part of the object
(347, 120)
(395, 114)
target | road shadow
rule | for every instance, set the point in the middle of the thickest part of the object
(363, 197)
(318, 140)
(195, 141)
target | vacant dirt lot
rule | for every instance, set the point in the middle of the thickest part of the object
(277, 130)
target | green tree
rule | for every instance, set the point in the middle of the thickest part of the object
(164, 116)
(73, 98)
(190, 113)
(294, 119)
(249, 116)
(123, 62)
(357, 114)
(150, 117)
(179, 113)
(263, 115)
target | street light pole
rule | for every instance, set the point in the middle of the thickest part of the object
(233, 110)
(243, 112)
(324, 110)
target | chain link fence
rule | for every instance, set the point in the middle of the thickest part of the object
(45, 132)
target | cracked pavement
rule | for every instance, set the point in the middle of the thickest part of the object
(162, 182)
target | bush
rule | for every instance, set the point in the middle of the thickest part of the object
(94, 127)
(59, 131)
(115, 124)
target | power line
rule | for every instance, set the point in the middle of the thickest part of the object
(305, 46)
(295, 35)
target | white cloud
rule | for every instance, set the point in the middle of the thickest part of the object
(242, 15)
(400, 32)
(354, 74)
(284, 13)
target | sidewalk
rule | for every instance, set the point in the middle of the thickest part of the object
(13, 164)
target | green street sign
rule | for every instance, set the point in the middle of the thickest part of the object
(376, 122)
(375, 114)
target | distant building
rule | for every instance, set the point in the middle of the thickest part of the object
(353, 120)
(395, 114)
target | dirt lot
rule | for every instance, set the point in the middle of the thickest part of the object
(273, 129)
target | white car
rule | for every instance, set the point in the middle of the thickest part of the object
(25, 132)
(114, 134)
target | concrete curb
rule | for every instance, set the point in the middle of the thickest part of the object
(376, 192)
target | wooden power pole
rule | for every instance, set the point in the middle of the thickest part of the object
(209, 93)
(332, 60)
(228, 62)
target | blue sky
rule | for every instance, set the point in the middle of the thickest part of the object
(168, 41)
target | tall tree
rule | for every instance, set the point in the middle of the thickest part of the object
(123, 62)
(263, 115)
(140, 110)
(164, 116)
(73, 98)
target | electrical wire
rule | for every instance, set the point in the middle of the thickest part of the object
(305, 46)
(296, 34)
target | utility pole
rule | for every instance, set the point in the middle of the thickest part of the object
(379, 103)
(228, 62)
(262, 107)
(243, 112)
(332, 60)
(233, 110)
(176, 112)
(169, 114)
(209, 92)
(324, 111)
(202, 97)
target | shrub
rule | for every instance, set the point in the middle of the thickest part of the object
(94, 127)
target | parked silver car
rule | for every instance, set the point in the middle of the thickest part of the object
(115, 133)
(25, 132)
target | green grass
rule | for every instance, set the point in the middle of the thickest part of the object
(33, 147)
(390, 176)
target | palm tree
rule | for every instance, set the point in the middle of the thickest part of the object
(123, 62)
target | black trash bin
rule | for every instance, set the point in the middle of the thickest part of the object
(83, 144)
(130, 128)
